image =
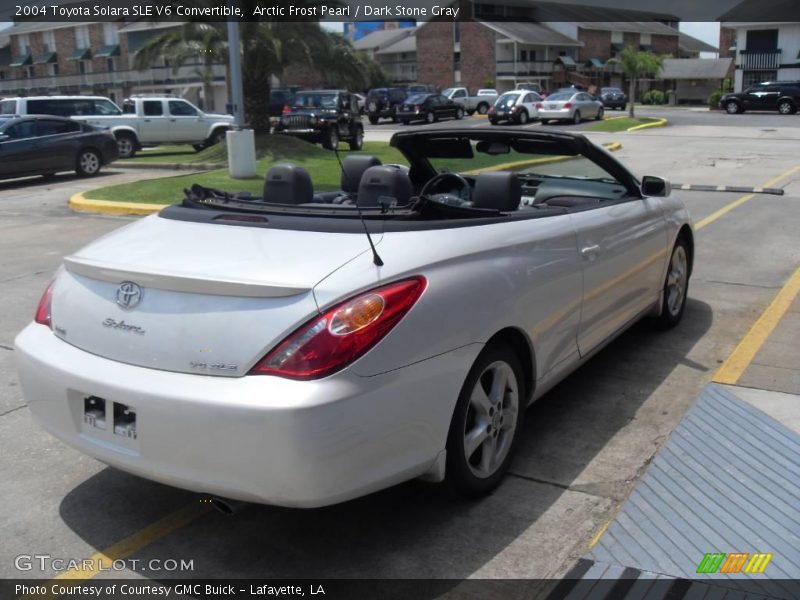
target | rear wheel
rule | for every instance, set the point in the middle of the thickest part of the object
(357, 141)
(88, 163)
(217, 137)
(676, 286)
(483, 108)
(599, 116)
(126, 145)
(486, 422)
(459, 113)
(732, 107)
(330, 140)
(523, 117)
(373, 120)
(576, 118)
(786, 107)
(430, 117)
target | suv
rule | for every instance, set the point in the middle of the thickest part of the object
(783, 96)
(383, 103)
(61, 106)
(324, 117)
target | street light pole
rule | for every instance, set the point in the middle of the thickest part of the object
(241, 142)
(235, 61)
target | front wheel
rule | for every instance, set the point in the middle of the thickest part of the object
(430, 118)
(483, 108)
(676, 285)
(88, 163)
(331, 139)
(523, 117)
(199, 147)
(732, 108)
(126, 145)
(217, 137)
(459, 113)
(357, 141)
(486, 422)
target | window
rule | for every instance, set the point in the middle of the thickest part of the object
(82, 37)
(179, 108)
(153, 108)
(20, 131)
(84, 67)
(523, 55)
(52, 69)
(48, 41)
(24, 43)
(110, 36)
(8, 107)
(56, 127)
(110, 66)
(751, 78)
(105, 107)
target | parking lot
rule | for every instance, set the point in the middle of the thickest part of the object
(585, 444)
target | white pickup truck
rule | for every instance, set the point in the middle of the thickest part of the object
(151, 121)
(480, 103)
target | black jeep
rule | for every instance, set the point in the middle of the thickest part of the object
(324, 117)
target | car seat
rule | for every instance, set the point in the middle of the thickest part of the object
(288, 184)
(499, 190)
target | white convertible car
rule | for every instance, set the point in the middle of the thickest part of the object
(303, 348)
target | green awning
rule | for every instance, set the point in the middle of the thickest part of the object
(21, 61)
(595, 63)
(107, 51)
(566, 61)
(617, 47)
(47, 57)
(81, 54)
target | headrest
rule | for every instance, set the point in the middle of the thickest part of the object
(288, 184)
(391, 181)
(353, 168)
(500, 190)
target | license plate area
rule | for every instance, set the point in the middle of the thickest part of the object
(105, 421)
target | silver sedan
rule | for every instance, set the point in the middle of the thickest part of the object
(569, 106)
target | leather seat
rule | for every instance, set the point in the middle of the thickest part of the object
(353, 168)
(498, 190)
(388, 181)
(288, 184)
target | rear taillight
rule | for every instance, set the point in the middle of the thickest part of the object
(44, 311)
(286, 110)
(491, 110)
(417, 107)
(514, 109)
(331, 341)
(568, 105)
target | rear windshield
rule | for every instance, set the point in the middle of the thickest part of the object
(612, 90)
(416, 99)
(561, 96)
(68, 107)
(315, 100)
(507, 100)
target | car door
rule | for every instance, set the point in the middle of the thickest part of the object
(56, 144)
(588, 106)
(154, 126)
(18, 152)
(622, 244)
(443, 107)
(761, 97)
(186, 122)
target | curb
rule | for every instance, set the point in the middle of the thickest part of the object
(659, 123)
(79, 203)
(170, 166)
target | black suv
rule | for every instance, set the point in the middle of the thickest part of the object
(783, 96)
(383, 103)
(324, 117)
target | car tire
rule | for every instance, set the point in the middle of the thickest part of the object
(126, 145)
(330, 140)
(199, 147)
(523, 117)
(459, 113)
(373, 120)
(88, 163)
(600, 115)
(406, 122)
(576, 118)
(474, 467)
(482, 108)
(430, 118)
(357, 141)
(732, 107)
(786, 107)
(676, 285)
(218, 136)
(493, 121)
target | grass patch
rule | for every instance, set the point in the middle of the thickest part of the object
(619, 123)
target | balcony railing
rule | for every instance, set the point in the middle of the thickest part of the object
(86, 81)
(759, 61)
(536, 67)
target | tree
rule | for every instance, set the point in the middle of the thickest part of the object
(636, 65)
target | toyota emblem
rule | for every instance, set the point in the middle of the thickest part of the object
(129, 295)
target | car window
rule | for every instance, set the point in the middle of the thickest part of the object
(180, 108)
(8, 107)
(416, 99)
(560, 97)
(106, 107)
(153, 108)
(398, 95)
(53, 127)
(20, 131)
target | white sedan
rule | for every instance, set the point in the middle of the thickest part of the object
(303, 348)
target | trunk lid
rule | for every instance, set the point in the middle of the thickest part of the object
(192, 297)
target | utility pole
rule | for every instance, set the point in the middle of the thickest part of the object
(241, 142)
(235, 61)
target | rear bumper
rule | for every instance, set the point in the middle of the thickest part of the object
(565, 113)
(258, 438)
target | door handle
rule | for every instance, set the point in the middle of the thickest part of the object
(173, 120)
(590, 251)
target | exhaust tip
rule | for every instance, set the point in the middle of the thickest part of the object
(227, 506)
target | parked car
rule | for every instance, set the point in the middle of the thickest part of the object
(253, 350)
(382, 103)
(530, 86)
(324, 117)
(280, 99)
(62, 106)
(783, 96)
(569, 106)
(46, 145)
(429, 108)
(612, 98)
(479, 103)
(518, 106)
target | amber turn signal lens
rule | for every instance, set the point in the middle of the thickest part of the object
(357, 314)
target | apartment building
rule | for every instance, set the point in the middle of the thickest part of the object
(761, 51)
(96, 58)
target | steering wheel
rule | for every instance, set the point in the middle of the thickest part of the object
(462, 186)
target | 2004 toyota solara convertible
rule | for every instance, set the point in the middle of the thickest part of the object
(305, 347)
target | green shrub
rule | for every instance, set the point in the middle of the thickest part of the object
(713, 99)
(656, 97)
(647, 97)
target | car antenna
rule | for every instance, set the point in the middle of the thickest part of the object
(376, 259)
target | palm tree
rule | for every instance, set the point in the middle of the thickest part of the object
(636, 65)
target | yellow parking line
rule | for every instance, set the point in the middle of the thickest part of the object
(733, 367)
(738, 202)
(103, 560)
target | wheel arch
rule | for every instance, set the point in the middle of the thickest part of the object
(516, 339)
(126, 131)
(685, 232)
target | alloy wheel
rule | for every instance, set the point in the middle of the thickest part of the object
(677, 278)
(90, 163)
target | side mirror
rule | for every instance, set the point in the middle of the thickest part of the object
(655, 187)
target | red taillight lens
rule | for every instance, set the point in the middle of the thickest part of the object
(286, 110)
(539, 105)
(43, 311)
(514, 109)
(491, 110)
(568, 105)
(333, 340)
(417, 107)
